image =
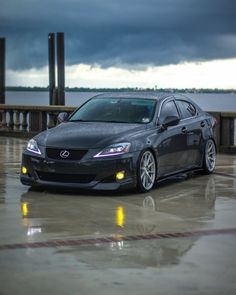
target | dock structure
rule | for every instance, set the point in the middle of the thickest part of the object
(2, 69)
(56, 93)
(27, 121)
(51, 67)
(60, 69)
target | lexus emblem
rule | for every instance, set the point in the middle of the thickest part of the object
(64, 154)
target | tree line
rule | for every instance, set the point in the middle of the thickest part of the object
(125, 89)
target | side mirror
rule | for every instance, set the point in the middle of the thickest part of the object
(62, 117)
(170, 121)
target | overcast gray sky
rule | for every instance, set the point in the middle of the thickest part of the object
(129, 34)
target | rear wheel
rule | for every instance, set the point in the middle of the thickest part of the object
(209, 161)
(147, 171)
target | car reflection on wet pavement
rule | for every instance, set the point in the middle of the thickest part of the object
(121, 243)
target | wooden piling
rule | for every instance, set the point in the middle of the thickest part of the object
(51, 63)
(60, 69)
(2, 70)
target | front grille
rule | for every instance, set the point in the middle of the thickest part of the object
(73, 154)
(66, 178)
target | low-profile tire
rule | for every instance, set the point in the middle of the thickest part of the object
(146, 171)
(209, 158)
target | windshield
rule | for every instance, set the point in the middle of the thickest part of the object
(122, 110)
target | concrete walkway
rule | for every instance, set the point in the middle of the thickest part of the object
(177, 239)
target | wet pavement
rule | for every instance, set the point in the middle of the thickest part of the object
(178, 239)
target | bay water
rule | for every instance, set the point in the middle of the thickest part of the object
(212, 102)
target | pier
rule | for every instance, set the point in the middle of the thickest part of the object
(27, 121)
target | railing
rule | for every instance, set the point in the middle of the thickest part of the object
(26, 121)
(17, 120)
(227, 132)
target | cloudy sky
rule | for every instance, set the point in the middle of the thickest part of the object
(119, 43)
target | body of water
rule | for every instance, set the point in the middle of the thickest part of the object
(42, 97)
(208, 102)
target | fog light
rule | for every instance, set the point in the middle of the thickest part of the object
(120, 175)
(24, 170)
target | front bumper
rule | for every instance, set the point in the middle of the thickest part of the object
(96, 174)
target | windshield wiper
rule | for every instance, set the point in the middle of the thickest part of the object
(79, 120)
(114, 121)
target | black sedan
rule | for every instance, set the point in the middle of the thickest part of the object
(122, 140)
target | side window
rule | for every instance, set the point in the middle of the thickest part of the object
(168, 110)
(187, 109)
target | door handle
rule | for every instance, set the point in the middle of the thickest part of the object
(184, 130)
(202, 124)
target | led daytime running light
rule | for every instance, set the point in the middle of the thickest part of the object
(114, 150)
(32, 146)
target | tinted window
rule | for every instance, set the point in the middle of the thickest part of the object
(124, 110)
(187, 109)
(168, 110)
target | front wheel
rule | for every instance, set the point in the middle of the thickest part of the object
(209, 161)
(146, 171)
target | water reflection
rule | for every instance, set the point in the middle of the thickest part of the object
(120, 216)
(195, 204)
(151, 213)
(10, 158)
(24, 209)
(2, 170)
(149, 203)
(200, 196)
(171, 208)
(33, 230)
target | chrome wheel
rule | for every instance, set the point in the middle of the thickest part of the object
(210, 156)
(147, 171)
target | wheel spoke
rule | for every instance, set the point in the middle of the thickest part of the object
(210, 155)
(150, 178)
(146, 181)
(151, 165)
(147, 170)
(142, 175)
(147, 160)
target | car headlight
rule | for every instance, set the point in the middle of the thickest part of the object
(32, 146)
(115, 149)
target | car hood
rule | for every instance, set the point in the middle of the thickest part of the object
(85, 135)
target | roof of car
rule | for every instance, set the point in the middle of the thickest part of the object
(135, 94)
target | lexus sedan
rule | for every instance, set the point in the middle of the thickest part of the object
(122, 140)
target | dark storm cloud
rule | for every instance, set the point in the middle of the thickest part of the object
(129, 33)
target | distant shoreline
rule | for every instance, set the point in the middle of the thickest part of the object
(212, 102)
(84, 89)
